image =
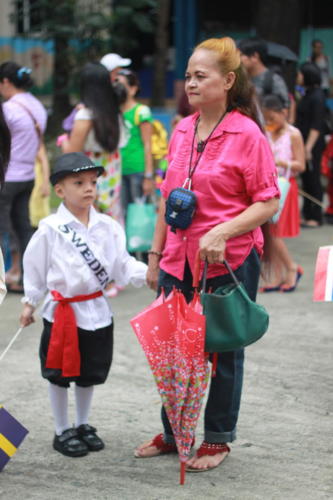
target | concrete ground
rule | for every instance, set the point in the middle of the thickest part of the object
(284, 448)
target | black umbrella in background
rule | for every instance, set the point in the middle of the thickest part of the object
(281, 52)
(278, 51)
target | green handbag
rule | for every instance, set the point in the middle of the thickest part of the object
(233, 320)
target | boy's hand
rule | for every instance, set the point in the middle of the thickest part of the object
(26, 317)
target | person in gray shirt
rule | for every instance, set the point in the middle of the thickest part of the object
(254, 56)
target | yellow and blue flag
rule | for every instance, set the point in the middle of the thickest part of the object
(12, 434)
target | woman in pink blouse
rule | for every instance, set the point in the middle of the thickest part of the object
(224, 152)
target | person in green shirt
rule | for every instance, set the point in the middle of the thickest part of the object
(136, 155)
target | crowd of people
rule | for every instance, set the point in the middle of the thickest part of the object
(243, 134)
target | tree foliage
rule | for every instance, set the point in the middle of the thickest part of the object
(130, 20)
(84, 30)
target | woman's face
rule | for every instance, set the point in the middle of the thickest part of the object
(317, 48)
(274, 120)
(131, 91)
(205, 85)
(4, 85)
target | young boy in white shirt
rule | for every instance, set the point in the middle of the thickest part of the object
(72, 256)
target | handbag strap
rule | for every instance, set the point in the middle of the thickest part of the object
(196, 274)
(36, 124)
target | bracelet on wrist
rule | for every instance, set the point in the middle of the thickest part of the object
(148, 176)
(155, 252)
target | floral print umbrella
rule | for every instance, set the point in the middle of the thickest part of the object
(172, 335)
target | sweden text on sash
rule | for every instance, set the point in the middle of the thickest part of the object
(86, 253)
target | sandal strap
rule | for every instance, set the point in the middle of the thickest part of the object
(161, 445)
(212, 449)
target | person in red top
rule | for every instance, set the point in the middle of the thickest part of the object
(224, 152)
(327, 170)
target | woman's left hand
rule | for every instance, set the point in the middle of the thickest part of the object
(212, 245)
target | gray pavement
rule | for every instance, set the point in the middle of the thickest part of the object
(284, 448)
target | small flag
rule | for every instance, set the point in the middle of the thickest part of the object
(12, 434)
(323, 280)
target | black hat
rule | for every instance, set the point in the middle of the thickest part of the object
(72, 163)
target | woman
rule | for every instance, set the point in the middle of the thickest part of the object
(4, 159)
(26, 118)
(96, 132)
(323, 63)
(228, 158)
(136, 157)
(310, 121)
(288, 150)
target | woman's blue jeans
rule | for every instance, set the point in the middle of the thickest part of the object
(223, 403)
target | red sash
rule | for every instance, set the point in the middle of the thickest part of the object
(63, 352)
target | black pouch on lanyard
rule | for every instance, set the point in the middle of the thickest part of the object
(180, 208)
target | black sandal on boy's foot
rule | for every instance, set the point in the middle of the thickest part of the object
(88, 435)
(69, 444)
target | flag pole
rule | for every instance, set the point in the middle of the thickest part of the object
(11, 342)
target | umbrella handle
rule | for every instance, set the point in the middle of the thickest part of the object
(182, 473)
(196, 274)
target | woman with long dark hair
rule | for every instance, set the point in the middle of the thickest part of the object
(26, 119)
(310, 120)
(322, 61)
(96, 132)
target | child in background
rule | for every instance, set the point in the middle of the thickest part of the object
(288, 150)
(72, 256)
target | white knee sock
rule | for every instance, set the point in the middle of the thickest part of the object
(83, 397)
(59, 407)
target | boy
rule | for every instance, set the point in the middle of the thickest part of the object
(72, 256)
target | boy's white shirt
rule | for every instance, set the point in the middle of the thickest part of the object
(3, 289)
(51, 262)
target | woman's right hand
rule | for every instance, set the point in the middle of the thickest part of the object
(153, 271)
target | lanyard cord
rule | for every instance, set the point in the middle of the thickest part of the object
(191, 169)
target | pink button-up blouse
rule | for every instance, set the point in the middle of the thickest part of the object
(235, 170)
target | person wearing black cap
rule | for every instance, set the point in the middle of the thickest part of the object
(72, 256)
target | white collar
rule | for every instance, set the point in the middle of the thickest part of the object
(67, 216)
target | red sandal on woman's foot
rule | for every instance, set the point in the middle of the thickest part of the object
(161, 446)
(208, 449)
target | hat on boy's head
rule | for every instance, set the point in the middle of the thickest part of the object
(113, 61)
(72, 163)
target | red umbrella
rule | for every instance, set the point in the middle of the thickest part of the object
(172, 334)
